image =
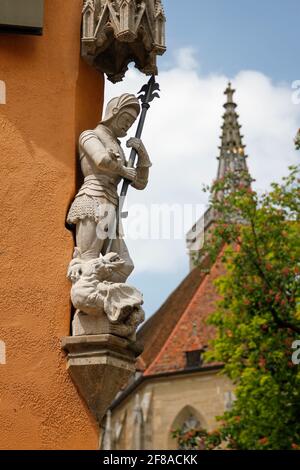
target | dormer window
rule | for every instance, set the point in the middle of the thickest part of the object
(194, 358)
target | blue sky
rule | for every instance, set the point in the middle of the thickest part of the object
(233, 35)
(256, 45)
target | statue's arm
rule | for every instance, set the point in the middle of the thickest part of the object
(98, 154)
(142, 177)
(143, 165)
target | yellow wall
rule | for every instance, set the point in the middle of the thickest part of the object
(204, 392)
(51, 95)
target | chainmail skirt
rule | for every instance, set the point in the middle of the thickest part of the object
(88, 206)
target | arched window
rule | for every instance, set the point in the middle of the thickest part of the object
(87, 25)
(187, 420)
(2, 92)
(191, 423)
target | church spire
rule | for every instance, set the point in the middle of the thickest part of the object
(232, 155)
(232, 159)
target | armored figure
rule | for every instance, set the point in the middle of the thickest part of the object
(95, 208)
(103, 165)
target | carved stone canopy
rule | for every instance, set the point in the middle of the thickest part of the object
(117, 32)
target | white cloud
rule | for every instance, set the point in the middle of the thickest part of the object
(185, 59)
(182, 136)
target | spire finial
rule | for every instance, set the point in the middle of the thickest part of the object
(229, 92)
(232, 156)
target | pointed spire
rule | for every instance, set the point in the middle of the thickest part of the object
(88, 4)
(159, 9)
(232, 155)
(232, 159)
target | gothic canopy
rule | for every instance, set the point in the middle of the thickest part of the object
(117, 32)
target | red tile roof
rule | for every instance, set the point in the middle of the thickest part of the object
(180, 324)
(156, 330)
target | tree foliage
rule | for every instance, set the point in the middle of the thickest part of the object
(258, 317)
(297, 140)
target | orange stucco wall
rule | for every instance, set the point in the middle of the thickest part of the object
(51, 95)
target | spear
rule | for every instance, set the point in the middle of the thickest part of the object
(146, 95)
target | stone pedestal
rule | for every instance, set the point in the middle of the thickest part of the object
(85, 325)
(100, 365)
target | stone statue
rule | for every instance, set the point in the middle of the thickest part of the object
(99, 293)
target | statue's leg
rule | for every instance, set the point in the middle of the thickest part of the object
(107, 226)
(91, 235)
(106, 223)
(121, 275)
(87, 241)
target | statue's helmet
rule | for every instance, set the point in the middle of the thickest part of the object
(125, 102)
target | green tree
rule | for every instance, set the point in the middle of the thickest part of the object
(258, 317)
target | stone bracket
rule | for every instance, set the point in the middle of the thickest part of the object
(100, 365)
